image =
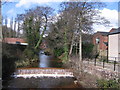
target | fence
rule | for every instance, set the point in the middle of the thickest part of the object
(113, 63)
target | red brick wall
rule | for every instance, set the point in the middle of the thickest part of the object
(102, 38)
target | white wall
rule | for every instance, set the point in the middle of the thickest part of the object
(113, 46)
(119, 46)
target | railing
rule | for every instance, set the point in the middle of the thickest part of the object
(113, 63)
(111, 59)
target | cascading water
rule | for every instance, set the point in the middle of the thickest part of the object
(44, 72)
(41, 82)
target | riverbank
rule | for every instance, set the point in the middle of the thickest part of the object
(87, 80)
(92, 81)
(95, 77)
(26, 63)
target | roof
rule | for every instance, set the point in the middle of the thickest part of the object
(14, 40)
(115, 31)
(112, 31)
(103, 33)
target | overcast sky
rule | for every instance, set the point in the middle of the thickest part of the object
(15, 7)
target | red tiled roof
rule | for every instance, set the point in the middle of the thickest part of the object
(13, 40)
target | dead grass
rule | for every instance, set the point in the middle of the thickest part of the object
(87, 80)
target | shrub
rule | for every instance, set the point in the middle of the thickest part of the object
(108, 83)
(58, 51)
(28, 53)
(87, 50)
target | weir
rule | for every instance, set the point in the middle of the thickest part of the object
(43, 72)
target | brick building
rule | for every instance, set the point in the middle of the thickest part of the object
(100, 40)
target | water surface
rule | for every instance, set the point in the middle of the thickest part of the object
(41, 82)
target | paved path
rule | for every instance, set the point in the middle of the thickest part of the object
(109, 66)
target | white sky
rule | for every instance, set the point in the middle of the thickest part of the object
(112, 16)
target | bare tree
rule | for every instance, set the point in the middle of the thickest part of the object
(35, 22)
(83, 15)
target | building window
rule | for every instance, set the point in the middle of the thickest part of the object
(97, 40)
(106, 43)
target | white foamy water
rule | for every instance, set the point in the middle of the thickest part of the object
(43, 75)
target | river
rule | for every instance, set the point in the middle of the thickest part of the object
(45, 61)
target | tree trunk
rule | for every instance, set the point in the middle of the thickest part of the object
(18, 30)
(41, 36)
(71, 46)
(65, 45)
(40, 39)
(6, 29)
(80, 52)
(14, 29)
(80, 47)
(11, 26)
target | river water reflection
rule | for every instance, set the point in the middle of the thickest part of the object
(43, 82)
(46, 61)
